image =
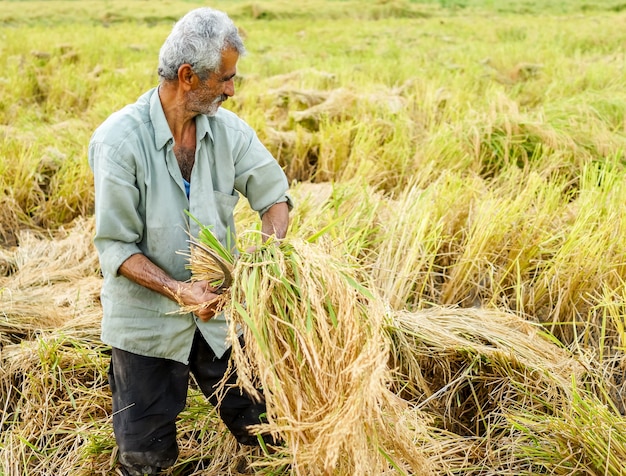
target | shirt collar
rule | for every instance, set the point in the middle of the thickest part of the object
(203, 127)
(162, 132)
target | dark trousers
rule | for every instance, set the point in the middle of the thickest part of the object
(149, 393)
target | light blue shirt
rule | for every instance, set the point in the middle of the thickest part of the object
(140, 208)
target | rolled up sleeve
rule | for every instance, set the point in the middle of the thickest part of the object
(119, 225)
(259, 177)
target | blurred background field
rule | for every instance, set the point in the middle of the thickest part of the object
(467, 157)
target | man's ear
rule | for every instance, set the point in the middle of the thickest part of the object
(186, 77)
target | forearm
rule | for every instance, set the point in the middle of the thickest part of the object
(275, 221)
(140, 269)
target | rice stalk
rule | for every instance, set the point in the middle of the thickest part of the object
(52, 257)
(50, 283)
(53, 403)
(63, 307)
(403, 267)
(56, 414)
(589, 257)
(484, 236)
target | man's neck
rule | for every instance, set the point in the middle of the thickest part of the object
(181, 122)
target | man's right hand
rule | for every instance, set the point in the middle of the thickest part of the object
(200, 294)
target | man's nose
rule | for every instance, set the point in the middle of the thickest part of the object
(229, 88)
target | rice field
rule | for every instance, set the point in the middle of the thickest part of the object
(450, 299)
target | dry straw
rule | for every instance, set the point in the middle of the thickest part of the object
(470, 365)
(56, 415)
(50, 283)
(315, 344)
(53, 404)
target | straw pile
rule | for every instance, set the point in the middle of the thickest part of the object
(471, 366)
(50, 284)
(55, 406)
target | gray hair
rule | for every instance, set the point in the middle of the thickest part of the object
(198, 39)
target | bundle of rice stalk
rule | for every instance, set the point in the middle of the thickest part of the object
(315, 344)
(470, 365)
(44, 258)
(210, 260)
(49, 282)
(26, 312)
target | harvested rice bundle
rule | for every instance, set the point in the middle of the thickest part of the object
(471, 366)
(316, 345)
(215, 263)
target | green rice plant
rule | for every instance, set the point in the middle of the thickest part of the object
(333, 150)
(403, 265)
(509, 137)
(588, 257)
(380, 153)
(585, 437)
(610, 313)
(478, 243)
(19, 177)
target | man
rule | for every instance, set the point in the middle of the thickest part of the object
(175, 150)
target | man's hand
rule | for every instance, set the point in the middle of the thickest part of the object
(202, 296)
(199, 295)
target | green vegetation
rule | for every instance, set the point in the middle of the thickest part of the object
(464, 157)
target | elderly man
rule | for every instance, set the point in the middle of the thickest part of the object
(172, 151)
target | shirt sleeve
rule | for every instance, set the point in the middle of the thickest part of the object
(119, 226)
(259, 177)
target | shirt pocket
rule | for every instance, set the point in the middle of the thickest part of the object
(224, 209)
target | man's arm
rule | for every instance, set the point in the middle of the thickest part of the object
(141, 270)
(275, 221)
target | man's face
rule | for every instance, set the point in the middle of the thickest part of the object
(219, 86)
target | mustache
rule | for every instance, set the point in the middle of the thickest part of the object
(221, 98)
